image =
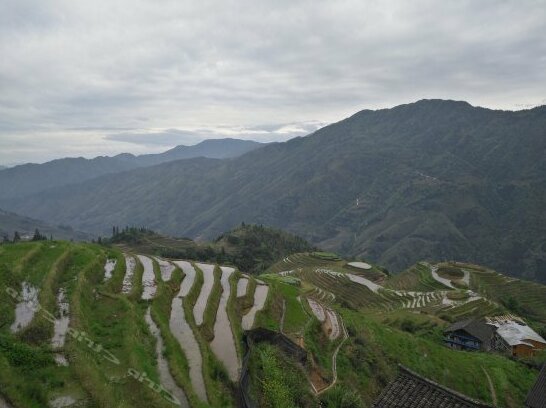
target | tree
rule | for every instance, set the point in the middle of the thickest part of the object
(16, 236)
(37, 236)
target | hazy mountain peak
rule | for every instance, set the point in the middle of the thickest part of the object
(32, 178)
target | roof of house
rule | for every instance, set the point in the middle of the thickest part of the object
(479, 329)
(537, 396)
(410, 390)
(514, 331)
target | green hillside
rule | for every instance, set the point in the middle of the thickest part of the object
(428, 180)
(129, 316)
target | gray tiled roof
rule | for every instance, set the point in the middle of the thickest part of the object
(479, 329)
(537, 396)
(410, 390)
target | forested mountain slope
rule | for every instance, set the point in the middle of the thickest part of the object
(25, 179)
(428, 180)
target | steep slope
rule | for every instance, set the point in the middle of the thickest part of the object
(432, 179)
(26, 179)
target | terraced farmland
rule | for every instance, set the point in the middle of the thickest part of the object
(125, 329)
(423, 300)
(118, 329)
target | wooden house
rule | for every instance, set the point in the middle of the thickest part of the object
(470, 335)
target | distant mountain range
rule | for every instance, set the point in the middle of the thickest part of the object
(433, 179)
(26, 179)
(3, 167)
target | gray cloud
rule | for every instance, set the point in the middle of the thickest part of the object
(109, 76)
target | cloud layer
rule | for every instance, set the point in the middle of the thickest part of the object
(101, 77)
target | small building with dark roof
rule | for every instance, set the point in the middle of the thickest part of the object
(471, 335)
(410, 390)
(537, 395)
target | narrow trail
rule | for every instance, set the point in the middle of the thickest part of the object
(281, 326)
(334, 358)
(491, 387)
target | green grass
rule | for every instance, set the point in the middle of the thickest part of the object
(234, 315)
(375, 349)
(278, 381)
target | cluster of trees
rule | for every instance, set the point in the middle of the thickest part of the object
(251, 248)
(254, 248)
(38, 236)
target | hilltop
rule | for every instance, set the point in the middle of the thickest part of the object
(432, 179)
(251, 248)
(324, 329)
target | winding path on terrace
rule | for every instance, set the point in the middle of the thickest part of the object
(334, 358)
(148, 278)
(202, 300)
(223, 344)
(130, 265)
(260, 296)
(165, 376)
(182, 331)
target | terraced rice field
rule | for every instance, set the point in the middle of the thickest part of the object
(317, 309)
(123, 341)
(201, 303)
(360, 265)
(260, 296)
(166, 268)
(148, 278)
(61, 326)
(174, 392)
(183, 332)
(24, 311)
(109, 267)
(223, 344)
(242, 287)
(130, 264)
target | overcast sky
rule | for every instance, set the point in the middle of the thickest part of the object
(87, 78)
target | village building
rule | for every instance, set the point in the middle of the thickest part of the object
(409, 389)
(506, 334)
(517, 337)
(470, 335)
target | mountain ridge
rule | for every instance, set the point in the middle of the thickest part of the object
(427, 180)
(29, 178)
